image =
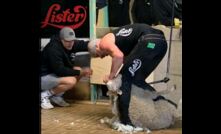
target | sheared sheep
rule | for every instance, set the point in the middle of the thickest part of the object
(147, 109)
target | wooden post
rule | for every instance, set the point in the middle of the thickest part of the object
(92, 12)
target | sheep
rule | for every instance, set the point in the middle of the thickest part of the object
(144, 111)
(113, 91)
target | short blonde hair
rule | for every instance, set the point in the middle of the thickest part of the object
(92, 46)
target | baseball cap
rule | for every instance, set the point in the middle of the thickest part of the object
(67, 34)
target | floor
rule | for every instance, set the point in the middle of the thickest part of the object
(84, 118)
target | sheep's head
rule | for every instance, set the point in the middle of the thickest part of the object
(114, 85)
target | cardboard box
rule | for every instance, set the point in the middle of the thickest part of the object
(100, 67)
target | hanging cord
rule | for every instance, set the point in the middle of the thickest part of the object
(166, 79)
(170, 42)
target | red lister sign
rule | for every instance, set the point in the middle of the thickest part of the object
(68, 13)
(75, 16)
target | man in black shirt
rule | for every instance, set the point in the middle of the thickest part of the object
(58, 73)
(139, 48)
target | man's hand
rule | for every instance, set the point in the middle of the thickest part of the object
(86, 71)
(106, 78)
(77, 68)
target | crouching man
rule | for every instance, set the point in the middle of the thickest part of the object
(58, 73)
